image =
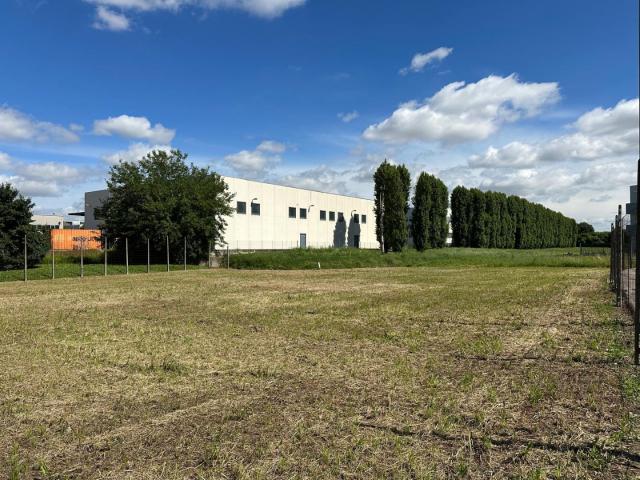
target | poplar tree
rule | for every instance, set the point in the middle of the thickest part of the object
(391, 191)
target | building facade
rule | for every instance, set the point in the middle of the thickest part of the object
(48, 221)
(276, 217)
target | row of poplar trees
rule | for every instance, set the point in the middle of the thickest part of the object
(392, 191)
(495, 220)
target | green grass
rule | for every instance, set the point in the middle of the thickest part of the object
(436, 372)
(301, 259)
(67, 265)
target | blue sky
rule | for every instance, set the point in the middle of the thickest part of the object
(534, 98)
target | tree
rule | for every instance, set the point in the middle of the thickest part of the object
(162, 196)
(391, 197)
(15, 224)
(420, 218)
(493, 220)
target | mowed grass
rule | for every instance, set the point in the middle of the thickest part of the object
(67, 265)
(369, 373)
(298, 259)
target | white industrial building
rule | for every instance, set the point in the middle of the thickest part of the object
(274, 217)
(49, 221)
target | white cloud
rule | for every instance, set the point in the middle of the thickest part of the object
(133, 127)
(421, 60)
(107, 19)
(17, 126)
(5, 161)
(462, 112)
(134, 153)
(348, 117)
(269, 146)
(322, 178)
(256, 163)
(602, 134)
(117, 21)
(42, 179)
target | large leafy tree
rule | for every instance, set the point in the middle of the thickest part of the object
(162, 196)
(391, 191)
(15, 226)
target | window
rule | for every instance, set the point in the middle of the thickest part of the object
(356, 218)
(323, 214)
(241, 207)
(364, 218)
(255, 209)
(292, 212)
(303, 213)
(340, 217)
(332, 216)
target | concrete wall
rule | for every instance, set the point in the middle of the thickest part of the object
(52, 221)
(272, 228)
(93, 200)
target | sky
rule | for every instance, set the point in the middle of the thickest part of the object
(533, 98)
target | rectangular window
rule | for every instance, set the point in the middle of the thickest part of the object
(292, 212)
(364, 218)
(303, 213)
(323, 214)
(356, 218)
(332, 216)
(241, 207)
(255, 209)
(340, 217)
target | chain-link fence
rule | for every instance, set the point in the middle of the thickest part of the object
(624, 270)
(83, 253)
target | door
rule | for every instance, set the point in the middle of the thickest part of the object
(356, 241)
(303, 240)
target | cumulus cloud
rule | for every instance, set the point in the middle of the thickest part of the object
(256, 163)
(16, 126)
(269, 146)
(349, 116)
(421, 60)
(107, 19)
(5, 161)
(134, 153)
(462, 112)
(322, 179)
(42, 179)
(133, 127)
(602, 133)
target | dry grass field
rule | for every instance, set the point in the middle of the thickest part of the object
(373, 373)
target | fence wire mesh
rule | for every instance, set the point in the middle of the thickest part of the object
(84, 253)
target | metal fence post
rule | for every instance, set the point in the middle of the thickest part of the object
(106, 252)
(25, 257)
(227, 257)
(185, 254)
(148, 255)
(126, 254)
(81, 257)
(53, 264)
(636, 309)
(167, 253)
(620, 250)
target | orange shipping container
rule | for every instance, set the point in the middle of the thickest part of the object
(73, 239)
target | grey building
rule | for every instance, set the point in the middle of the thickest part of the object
(93, 200)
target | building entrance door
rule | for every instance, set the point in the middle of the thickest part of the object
(303, 240)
